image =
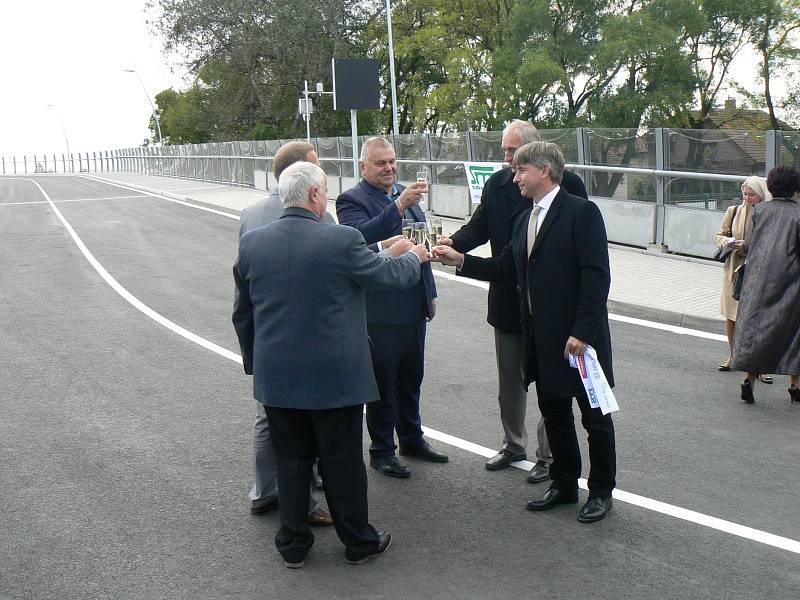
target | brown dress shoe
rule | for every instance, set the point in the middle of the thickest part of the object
(270, 505)
(319, 518)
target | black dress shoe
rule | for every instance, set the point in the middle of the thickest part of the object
(503, 458)
(552, 498)
(794, 394)
(424, 452)
(384, 541)
(539, 473)
(391, 466)
(747, 392)
(595, 509)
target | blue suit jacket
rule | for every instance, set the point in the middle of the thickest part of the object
(299, 311)
(366, 208)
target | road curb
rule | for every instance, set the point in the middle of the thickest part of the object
(668, 317)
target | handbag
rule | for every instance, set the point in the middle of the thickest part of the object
(722, 253)
(738, 282)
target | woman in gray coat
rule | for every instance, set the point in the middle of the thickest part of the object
(767, 334)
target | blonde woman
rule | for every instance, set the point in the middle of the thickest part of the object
(733, 234)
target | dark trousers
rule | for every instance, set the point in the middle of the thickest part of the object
(398, 359)
(335, 435)
(560, 426)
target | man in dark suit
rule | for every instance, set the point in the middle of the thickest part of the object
(299, 317)
(492, 222)
(558, 256)
(396, 320)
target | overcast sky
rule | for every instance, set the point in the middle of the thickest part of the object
(72, 54)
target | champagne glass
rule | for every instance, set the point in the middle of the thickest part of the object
(431, 239)
(422, 177)
(419, 232)
(408, 227)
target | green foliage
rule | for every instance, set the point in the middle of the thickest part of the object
(476, 64)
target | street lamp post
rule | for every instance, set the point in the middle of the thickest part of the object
(152, 106)
(64, 131)
(395, 127)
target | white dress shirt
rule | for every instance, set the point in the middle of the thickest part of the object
(545, 203)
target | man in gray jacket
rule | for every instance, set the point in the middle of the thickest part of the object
(299, 316)
(264, 494)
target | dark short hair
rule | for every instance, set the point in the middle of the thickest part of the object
(783, 181)
(541, 154)
(288, 154)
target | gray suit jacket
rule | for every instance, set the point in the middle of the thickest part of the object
(300, 312)
(267, 211)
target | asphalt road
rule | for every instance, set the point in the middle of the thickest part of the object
(125, 456)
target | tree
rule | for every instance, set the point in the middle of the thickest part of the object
(184, 118)
(772, 32)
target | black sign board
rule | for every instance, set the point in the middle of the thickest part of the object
(355, 84)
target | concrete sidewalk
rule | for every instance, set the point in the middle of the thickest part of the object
(668, 288)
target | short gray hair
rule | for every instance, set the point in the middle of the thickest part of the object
(541, 154)
(526, 131)
(296, 181)
(377, 141)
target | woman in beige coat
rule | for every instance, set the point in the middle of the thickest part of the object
(736, 221)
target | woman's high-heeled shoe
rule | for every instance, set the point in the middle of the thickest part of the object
(794, 394)
(747, 392)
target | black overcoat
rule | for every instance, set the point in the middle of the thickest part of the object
(492, 222)
(569, 275)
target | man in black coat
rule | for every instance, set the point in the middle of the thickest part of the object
(491, 222)
(558, 256)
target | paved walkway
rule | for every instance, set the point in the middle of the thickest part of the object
(672, 289)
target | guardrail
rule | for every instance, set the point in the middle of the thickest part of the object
(641, 180)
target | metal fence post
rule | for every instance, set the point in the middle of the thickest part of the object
(772, 149)
(470, 138)
(582, 139)
(660, 210)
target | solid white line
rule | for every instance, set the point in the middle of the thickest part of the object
(671, 510)
(106, 198)
(130, 298)
(742, 531)
(71, 199)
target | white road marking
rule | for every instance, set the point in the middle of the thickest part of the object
(70, 199)
(678, 512)
(130, 298)
(160, 197)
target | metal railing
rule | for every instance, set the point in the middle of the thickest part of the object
(659, 168)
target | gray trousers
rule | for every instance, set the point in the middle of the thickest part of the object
(266, 469)
(512, 396)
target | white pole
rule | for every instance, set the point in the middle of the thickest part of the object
(64, 131)
(152, 106)
(395, 127)
(308, 114)
(354, 137)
